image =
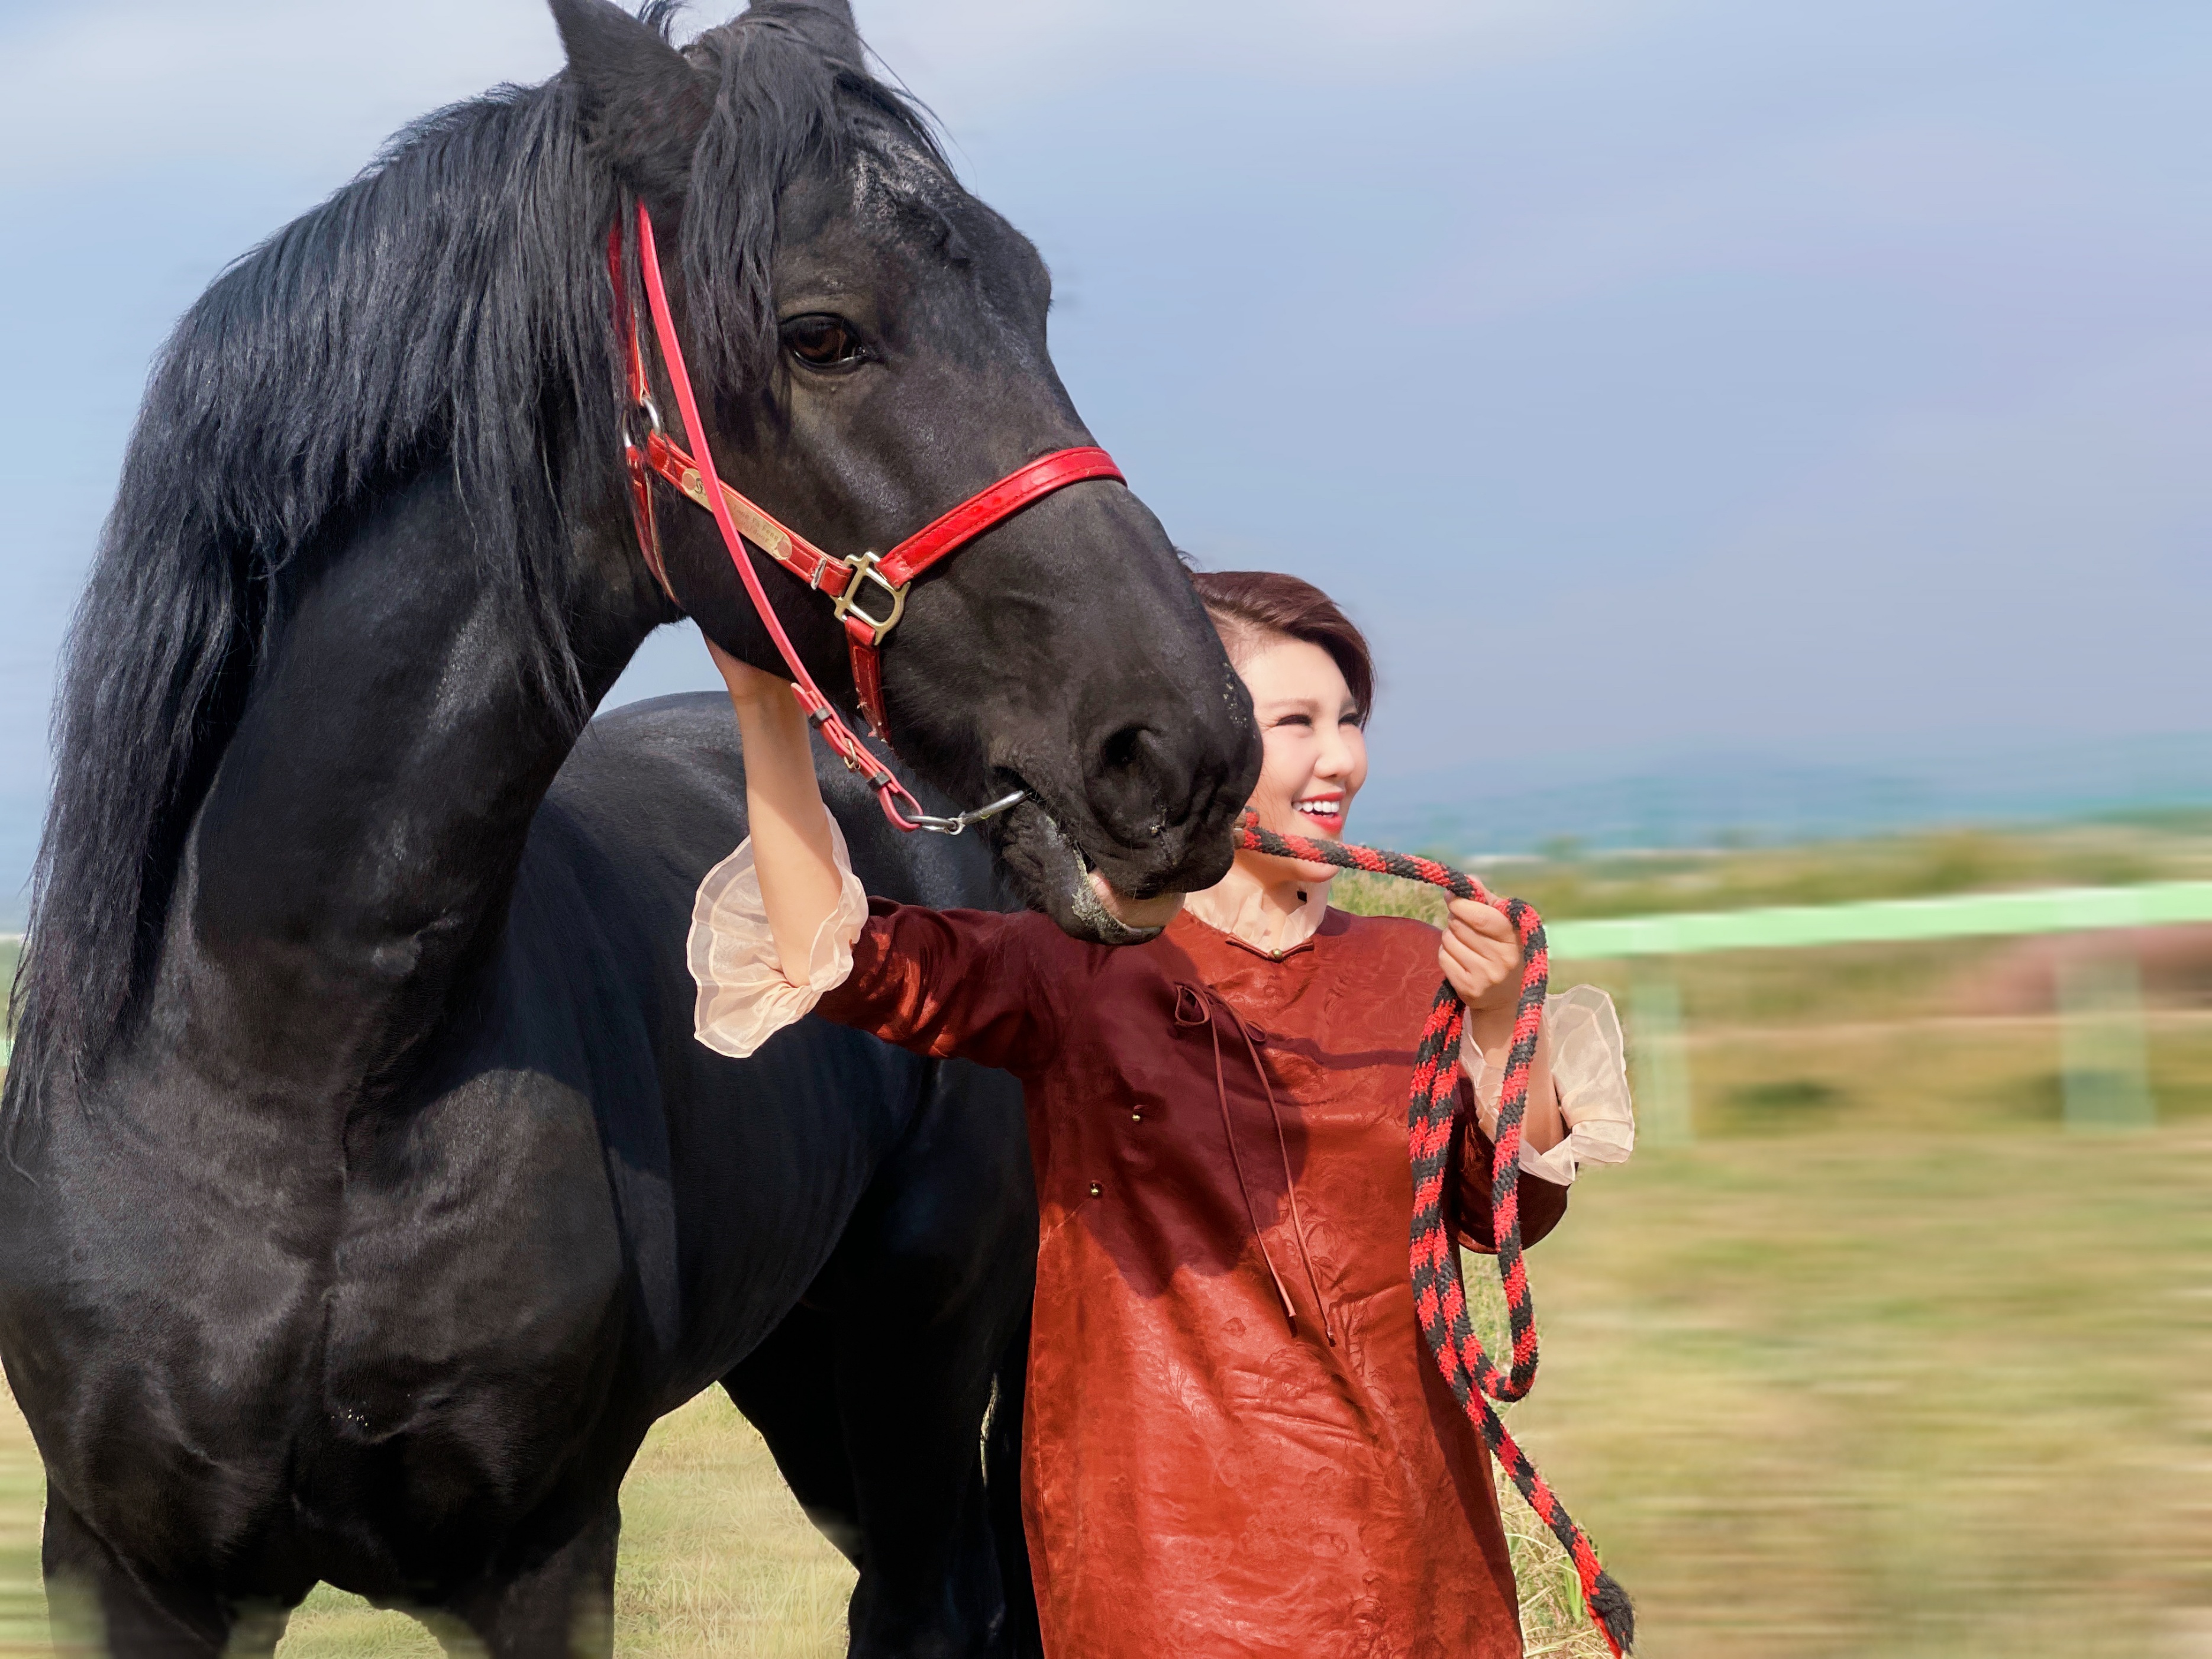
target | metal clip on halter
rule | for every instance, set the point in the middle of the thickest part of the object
(847, 608)
(864, 765)
(953, 826)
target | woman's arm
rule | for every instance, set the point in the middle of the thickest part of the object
(1482, 958)
(780, 928)
(790, 826)
(1543, 1203)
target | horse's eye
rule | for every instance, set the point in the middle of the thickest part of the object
(822, 341)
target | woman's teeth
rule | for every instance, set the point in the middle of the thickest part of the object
(1318, 809)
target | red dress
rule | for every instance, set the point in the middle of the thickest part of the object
(1217, 1133)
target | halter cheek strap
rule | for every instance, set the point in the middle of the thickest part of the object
(867, 593)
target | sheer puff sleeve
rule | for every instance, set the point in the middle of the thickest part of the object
(1591, 1071)
(744, 997)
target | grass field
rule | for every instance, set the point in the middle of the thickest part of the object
(716, 1559)
(1887, 1363)
(1891, 1365)
(1923, 864)
(1826, 1390)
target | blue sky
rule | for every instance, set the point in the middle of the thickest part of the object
(1650, 376)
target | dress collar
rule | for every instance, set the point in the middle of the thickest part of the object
(1315, 922)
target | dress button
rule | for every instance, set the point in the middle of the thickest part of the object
(1097, 1191)
(1136, 1117)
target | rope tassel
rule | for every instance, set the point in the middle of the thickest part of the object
(1439, 1289)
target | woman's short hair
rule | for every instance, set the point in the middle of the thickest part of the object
(1251, 603)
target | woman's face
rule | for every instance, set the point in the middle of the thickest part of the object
(1317, 755)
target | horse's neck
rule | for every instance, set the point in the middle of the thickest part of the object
(356, 849)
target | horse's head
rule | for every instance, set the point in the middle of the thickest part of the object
(868, 342)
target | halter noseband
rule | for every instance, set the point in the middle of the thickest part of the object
(867, 593)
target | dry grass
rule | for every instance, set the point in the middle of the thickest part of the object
(1834, 1392)
(1918, 864)
(1842, 1393)
(22, 1605)
(716, 1559)
(1886, 1364)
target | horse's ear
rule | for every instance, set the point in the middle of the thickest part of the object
(642, 104)
(842, 36)
(839, 12)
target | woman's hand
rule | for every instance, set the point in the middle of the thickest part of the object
(1481, 957)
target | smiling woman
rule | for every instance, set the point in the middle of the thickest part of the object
(1233, 1442)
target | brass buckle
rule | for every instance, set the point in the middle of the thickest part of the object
(864, 569)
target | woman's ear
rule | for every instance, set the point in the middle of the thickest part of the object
(642, 104)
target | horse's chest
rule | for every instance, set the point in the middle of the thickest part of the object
(479, 1266)
(164, 1299)
(436, 1295)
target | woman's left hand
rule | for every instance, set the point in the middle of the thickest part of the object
(1481, 957)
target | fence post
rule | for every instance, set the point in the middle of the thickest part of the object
(1661, 1056)
(2101, 1045)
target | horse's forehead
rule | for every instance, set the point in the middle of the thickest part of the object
(895, 184)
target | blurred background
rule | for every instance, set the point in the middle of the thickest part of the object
(1766, 447)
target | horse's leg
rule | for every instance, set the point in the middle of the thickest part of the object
(787, 1388)
(1002, 1478)
(931, 1283)
(95, 1601)
(561, 1608)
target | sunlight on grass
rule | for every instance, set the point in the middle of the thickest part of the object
(1920, 865)
(1886, 1364)
(716, 1559)
(716, 1555)
(1927, 1396)
(22, 1494)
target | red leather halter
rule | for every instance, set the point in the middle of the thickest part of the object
(867, 593)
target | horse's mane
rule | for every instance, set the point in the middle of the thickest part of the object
(451, 307)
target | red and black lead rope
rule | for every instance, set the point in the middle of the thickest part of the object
(1439, 1292)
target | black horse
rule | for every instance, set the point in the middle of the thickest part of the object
(367, 1195)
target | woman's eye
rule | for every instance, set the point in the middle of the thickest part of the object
(822, 341)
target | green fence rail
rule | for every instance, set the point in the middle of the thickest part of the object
(2100, 1004)
(1655, 1005)
(1882, 922)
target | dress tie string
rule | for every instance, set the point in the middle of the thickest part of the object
(1199, 1005)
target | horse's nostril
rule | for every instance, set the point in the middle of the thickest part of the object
(1124, 751)
(1155, 790)
(1135, 786)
